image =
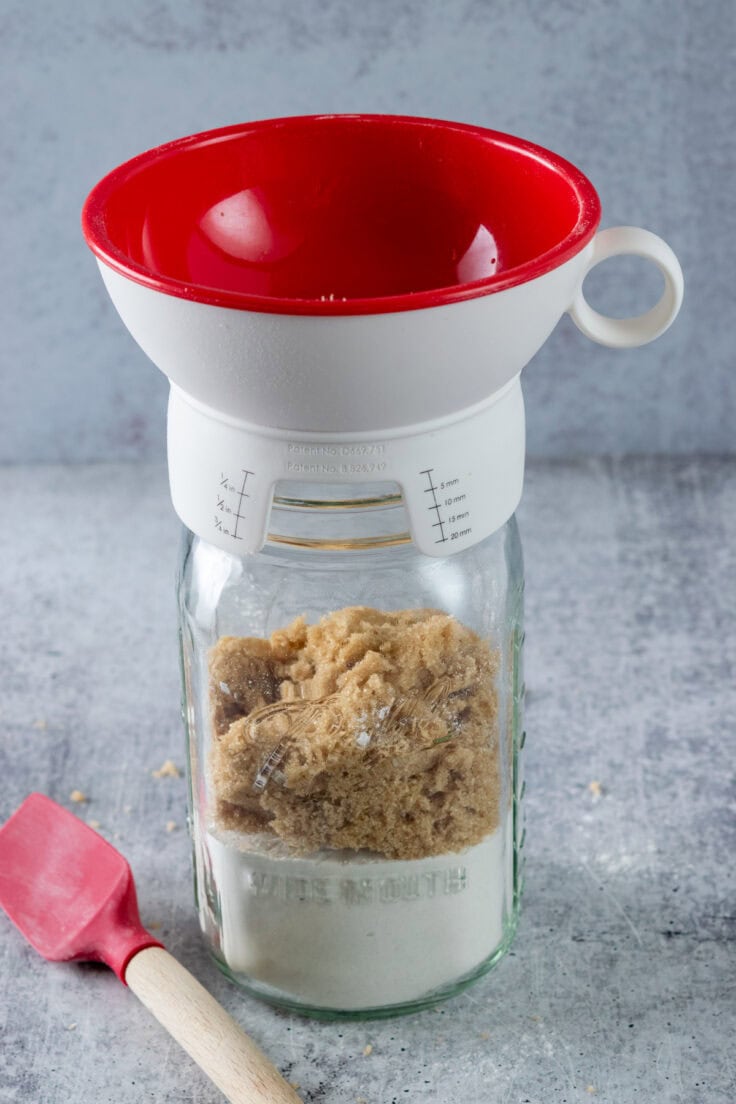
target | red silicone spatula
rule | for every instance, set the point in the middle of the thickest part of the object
(72, 896)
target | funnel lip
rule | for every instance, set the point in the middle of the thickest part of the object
(95, 230)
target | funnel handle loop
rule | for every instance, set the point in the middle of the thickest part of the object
(206, 1032)
(626, 333)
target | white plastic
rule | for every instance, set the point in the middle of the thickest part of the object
(349, 373)
(461, 476)
(429, 399)
(626, 333)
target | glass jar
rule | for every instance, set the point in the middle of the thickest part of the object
(353, 710)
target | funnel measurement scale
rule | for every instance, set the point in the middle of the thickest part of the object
(449, 503)
(231, 494)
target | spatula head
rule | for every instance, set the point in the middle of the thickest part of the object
(68, 891)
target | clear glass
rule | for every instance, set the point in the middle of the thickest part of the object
(355, 799)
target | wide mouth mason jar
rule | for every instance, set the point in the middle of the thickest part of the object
(353, 710)
(354, 297)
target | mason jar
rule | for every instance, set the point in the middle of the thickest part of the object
(354, 718)
(353, 298)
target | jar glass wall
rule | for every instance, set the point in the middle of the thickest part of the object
(353, 711)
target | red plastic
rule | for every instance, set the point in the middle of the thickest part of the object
(68, 891)
(340, 214)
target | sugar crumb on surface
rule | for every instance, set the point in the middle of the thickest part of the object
(171, 825)
(78, 797)
(168, 769)
(368, 1049)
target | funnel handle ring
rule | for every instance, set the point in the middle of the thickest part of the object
(626, 333)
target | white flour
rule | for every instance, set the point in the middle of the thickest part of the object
(359, 933)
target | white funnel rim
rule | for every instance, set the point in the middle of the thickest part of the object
(537, 161)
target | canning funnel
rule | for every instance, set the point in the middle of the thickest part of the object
(352, 298)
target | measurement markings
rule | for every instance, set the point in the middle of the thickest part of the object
(234, 511)
(241, 495)
(438, 524)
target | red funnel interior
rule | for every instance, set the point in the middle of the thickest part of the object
(340, 214)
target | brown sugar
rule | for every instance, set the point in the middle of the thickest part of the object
(168, 769)
(367, 730)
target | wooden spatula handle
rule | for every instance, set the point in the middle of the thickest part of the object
(204, 1029)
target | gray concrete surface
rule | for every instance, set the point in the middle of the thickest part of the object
(637, 94)
(621, 985)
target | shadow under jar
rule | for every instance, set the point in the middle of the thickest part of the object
(353, 710)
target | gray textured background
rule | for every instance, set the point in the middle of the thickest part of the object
(621, 985)
(639, 95)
